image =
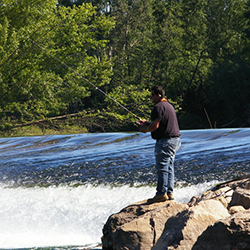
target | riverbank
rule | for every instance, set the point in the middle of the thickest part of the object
(76, 125)
(36, 130)
(88, 123)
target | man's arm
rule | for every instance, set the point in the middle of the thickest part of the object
(151, 127)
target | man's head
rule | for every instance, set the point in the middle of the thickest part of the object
(157, 93)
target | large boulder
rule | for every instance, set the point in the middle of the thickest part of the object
(215, 220)
(182, 230)
(142, 226)
(227, 234)
(138, 226)
(241, 197)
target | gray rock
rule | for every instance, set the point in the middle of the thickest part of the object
(216, 220)
(227, 234)
(241, 197)
(181, 231)
(138, 226)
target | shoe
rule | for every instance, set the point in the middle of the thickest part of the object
(170, 196)
(158, 198)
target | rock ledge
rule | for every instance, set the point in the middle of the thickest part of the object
(219, 219)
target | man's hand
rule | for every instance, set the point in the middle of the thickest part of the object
(144, 126)
(149, 126)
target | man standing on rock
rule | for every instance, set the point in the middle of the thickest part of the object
(164, 129)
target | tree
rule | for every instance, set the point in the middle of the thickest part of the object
(167, 44)
(34, 85)
(227, 86)
(228, 92)
(219, 39)
(129, 49)
(101, 5)
(186, 46)
(130, 40)
(225, 22)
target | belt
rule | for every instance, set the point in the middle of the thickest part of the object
(168, 137)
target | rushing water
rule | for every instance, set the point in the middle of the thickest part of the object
(56, 192)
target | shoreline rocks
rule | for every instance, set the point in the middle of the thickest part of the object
(219, 219)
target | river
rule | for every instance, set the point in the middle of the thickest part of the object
(57, 191)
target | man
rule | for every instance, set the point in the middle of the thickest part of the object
(164, 129)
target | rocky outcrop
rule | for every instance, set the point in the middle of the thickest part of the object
(230, 233)
(241, 196)
(219, 219)
(182, 230)
(138, 226)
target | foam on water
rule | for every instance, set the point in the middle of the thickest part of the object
(64, 215)
(59, 190)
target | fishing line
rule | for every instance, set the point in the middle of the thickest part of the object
(71, 69)
(27, 39)
(67, 66)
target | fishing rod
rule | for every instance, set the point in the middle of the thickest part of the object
(93, 85)
(27, 39)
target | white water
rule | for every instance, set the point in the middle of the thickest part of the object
(64, 216)
(60, 214)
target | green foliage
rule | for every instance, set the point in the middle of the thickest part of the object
(225, 25)
(130, 41)
(132, 98)
(34, 83)
(229, 91)
(198, 50)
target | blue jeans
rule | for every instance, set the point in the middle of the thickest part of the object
(165, 150)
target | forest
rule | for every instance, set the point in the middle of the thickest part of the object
(92, 63)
